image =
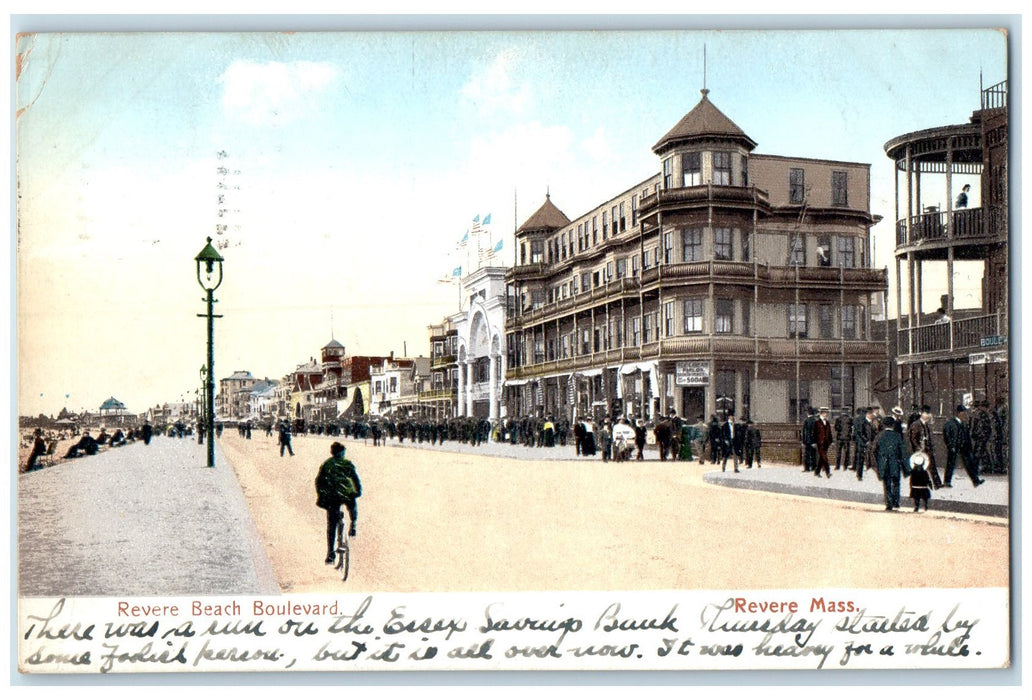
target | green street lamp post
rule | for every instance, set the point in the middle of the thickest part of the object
(209, 276)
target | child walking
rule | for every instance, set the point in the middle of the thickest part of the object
(920, 481)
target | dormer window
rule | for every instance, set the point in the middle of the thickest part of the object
(692, 169)
(668, 173)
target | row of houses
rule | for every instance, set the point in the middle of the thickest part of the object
(326, 388)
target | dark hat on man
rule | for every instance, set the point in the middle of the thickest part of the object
(961, 408)
(823, 409)
(888, 421)
(336, 449)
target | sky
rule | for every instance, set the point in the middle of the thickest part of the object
(354, 163)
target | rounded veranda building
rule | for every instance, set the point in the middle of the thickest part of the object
(730, 281)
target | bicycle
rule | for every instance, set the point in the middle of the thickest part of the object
(343, 545)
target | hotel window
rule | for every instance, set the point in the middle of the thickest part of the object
(566, 346)
(594, 230)
(571, 242)
(609, 271)
(635, 331)
(798, 399)
(605, 226)
(668, 173)
(623, 219)
(723, 316)
(846, 251)
(596, 278)
(585, 341)
(693, 315)
(585, 281)
(539, 350)
(796, 186)
(849, 318)
(612, 217)
(621, 268)
(823, 251)
(634, 210)
(647, 336)
(598, 339)
(634, 265)
(668, 248)
(839, 190)
(573, 286)
(537, 251)
(746, 252)
(825, 321)
(537, 299)
(668, 315)
(721, 168)
(796, 250)
(797, 320)
(616, 333)
(580, 237)
(692, 245)
(722, 247)
(745, 171)
(843, 387)
(746, 316)
(562, 249)
(692, 168)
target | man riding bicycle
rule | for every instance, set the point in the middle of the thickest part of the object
(337, 484)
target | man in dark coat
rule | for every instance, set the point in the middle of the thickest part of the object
(809, 444)
(284, 438)
(892, 463)
(919, 437)
(822, 440)
(843, 439)
(663, 433)
(39, 448)
(863, 432)
(578, 435)
(733, 437)
(958, 444)
(147, 431)
(981, 438)
(337, 484)
(675, 434)
(639, 439)
(714, 439)
(86, 445)
(753, 445)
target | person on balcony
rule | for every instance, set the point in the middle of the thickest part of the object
(943, 316)
(962, 198)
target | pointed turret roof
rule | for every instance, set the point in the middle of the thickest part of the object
(333, 344)
(547, 217)
(705, 121)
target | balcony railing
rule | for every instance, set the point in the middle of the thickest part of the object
(743, 347)
(936, 226)
(959, 335)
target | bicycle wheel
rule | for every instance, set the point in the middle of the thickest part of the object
(343, 550)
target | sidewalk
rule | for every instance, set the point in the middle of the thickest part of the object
(991, 498)
(138, 520)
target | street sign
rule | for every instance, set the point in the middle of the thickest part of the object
(993, 340)
(692, 373)
(984, 358)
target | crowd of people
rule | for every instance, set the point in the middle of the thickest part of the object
(43, 444)
(897, 445)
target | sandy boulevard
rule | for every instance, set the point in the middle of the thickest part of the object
(436, 521)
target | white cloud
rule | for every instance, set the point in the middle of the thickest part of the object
(494, 89)
(598, 146)
(272, 93)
